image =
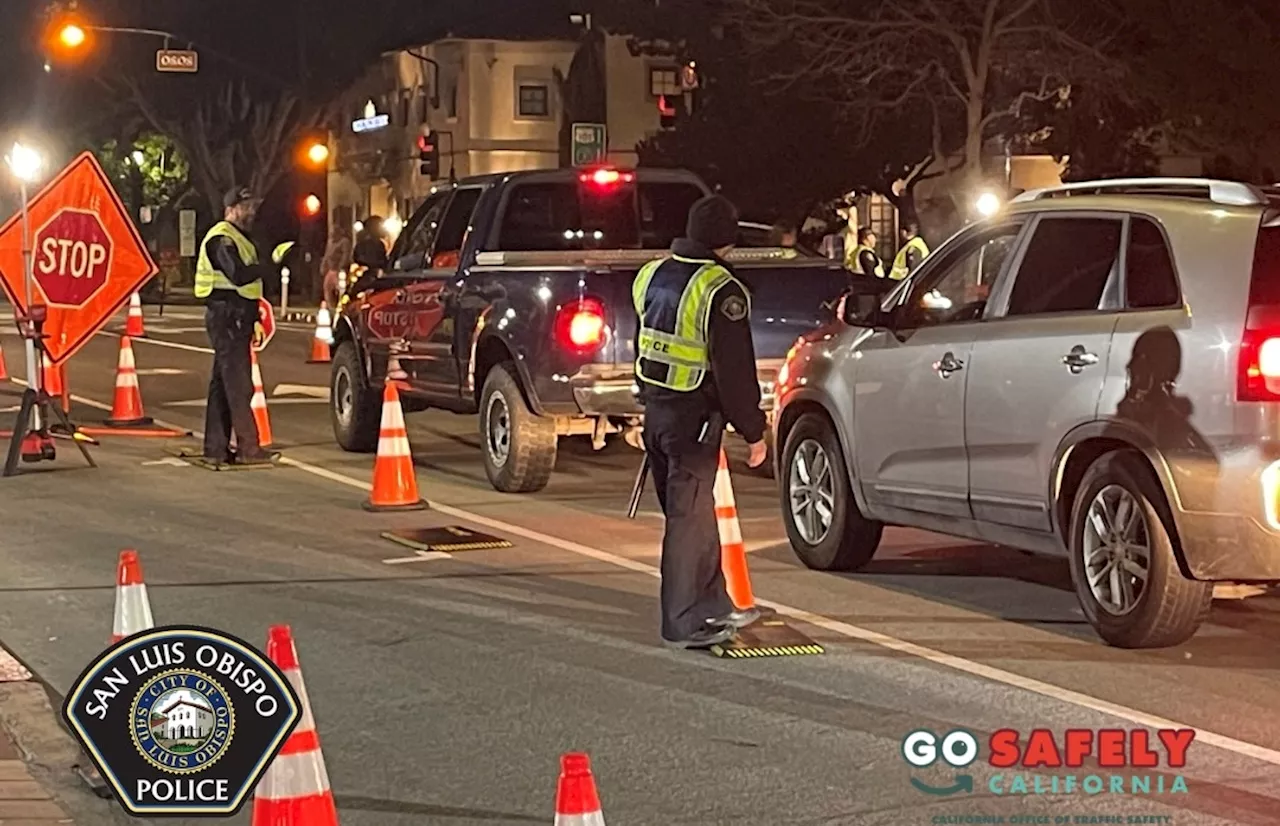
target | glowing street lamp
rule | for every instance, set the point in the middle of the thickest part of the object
(72, 36)
(26, 164)
(988, 204)
(317, 153)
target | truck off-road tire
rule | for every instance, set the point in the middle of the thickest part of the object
(826, 528)
(1123, 559)
(519, 447)
(354, 408)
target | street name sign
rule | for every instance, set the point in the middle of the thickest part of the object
(87, 256)
(177, 60)
(590, 144)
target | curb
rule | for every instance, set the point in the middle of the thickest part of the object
(34, 750)
(306, 317)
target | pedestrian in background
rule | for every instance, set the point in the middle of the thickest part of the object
(337, 260)
(914, 250)
(863, 259)
(229, 281)
(696, 370)
(371, 247)
(784, 234)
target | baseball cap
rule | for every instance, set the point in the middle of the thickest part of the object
(238, 195)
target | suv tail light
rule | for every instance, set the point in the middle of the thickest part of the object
(1258, 377)
(580, 326)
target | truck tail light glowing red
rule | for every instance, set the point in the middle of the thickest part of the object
(580, 326)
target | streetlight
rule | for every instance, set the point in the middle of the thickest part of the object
(26, 164)
(318, 153)
(72, 36)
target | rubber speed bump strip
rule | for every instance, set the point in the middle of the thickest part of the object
(449, 539)
(197, 460)
(767, 638)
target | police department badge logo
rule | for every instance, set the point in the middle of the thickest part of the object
(734, 308)
(182, 720)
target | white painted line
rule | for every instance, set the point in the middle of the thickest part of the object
(168, 461)
(420, 556)
(188, 403)
(173, 331)
(12, 671)
(191, 348)
(162, 371)
(844, 629)
(315, 391)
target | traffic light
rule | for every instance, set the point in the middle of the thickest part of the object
(317, 154)
(311, 205)
(428, 156)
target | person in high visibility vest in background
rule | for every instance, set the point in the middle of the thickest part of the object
(913, 251)
(696, 368)
(863, 259)
(229, 280)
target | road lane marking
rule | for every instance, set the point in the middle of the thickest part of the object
(191, 348)
(844, 629)
(162, 371)
(419, 556)
(314, 391)
(168, 461)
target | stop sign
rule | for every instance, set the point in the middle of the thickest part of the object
(72, 257)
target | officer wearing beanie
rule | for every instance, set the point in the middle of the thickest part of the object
(696, 369)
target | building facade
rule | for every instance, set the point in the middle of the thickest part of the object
(489, 105)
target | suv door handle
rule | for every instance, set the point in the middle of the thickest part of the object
(947, 365)
(1079, 358)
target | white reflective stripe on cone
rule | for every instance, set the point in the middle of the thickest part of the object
(723, 490)
(730, 530)
(394, 446)
(126, 357)
(589, 819)
(127, 380)
(133, 610)
(306, 722)
(294, 775)
(392, 417)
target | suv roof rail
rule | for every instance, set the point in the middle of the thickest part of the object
(1228, 193)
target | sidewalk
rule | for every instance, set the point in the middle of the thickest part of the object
(23, 801)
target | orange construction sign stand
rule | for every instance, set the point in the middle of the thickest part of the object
(259, 404)
(295, 790)
(126, 410)
(395, 487)
(733, 552)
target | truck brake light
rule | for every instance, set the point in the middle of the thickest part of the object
(606, 178)
(580, 326)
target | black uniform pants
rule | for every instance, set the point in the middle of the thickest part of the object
(684, 475)
(230, 326)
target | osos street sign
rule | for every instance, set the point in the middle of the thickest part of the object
(182, 720)
(87, 256)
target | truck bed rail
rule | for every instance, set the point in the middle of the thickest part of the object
(631, 259)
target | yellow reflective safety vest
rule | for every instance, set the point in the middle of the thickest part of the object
(210, 278)
(900, 269)
(673, 298)
(854, 261)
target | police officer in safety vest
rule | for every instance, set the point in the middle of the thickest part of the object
(229, 281)
(696, 369)
(864, 260)
(913, 251)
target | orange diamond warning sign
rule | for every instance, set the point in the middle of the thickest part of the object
(87, 256)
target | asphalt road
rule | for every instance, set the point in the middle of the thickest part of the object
(445, 690)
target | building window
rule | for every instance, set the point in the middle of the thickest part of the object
(664, 80)
(534, 101)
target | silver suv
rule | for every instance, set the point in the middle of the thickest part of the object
(1094, 372)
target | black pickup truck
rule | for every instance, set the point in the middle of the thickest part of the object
(509, 295)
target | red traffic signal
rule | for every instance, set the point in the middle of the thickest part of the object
(311, 205)
(428, 156)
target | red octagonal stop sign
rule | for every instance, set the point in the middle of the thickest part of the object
(72, 258)
(86, 256)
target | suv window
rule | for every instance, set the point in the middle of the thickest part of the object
(1150, 280)
(422, 233)
(958, 288)
(1068, 264)
(567, 216)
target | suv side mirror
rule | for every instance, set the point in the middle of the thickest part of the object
(410, 262)
(861, 307)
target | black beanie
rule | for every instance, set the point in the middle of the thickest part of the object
(713, 222)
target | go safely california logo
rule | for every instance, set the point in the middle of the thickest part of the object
(1093, 761)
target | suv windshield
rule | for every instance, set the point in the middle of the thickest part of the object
(569, 216)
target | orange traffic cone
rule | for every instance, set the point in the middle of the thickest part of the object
(577, 802)
(295, 790)
(395, 488)
(323, 339)
(733, 552)
(126, 411)
(4, 371)
(133, 609)
(133, 325)
(259, 404)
